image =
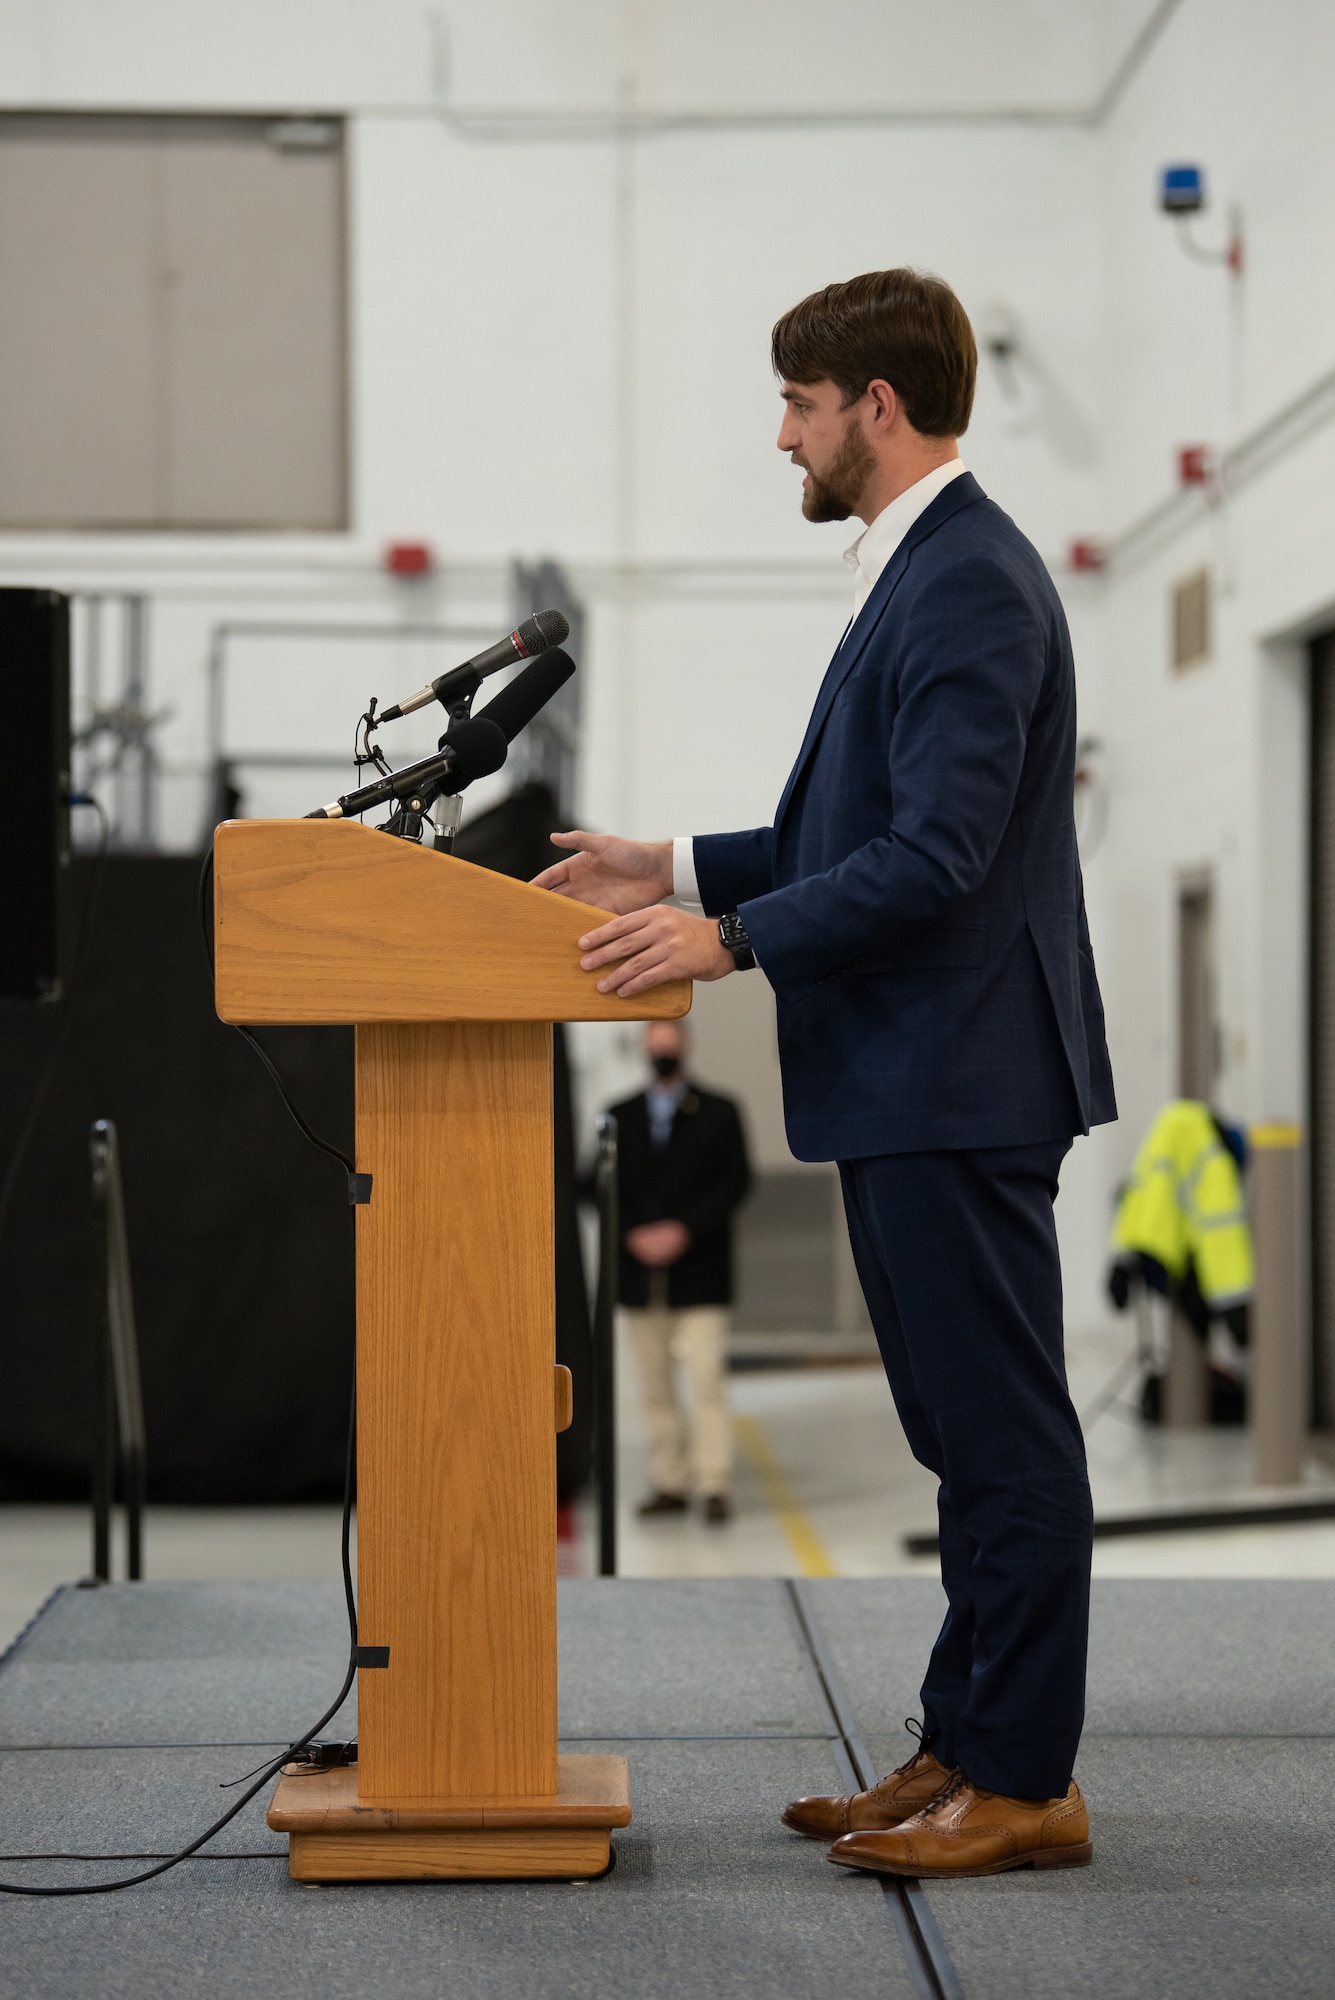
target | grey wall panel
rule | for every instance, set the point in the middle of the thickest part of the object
(254, 390)
(80, 356)
(171, 325)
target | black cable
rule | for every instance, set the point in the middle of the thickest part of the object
(242, 1854)
(275, 1764)
(325, 1145)
(364, 751)
(81, 947)
(248, 1034)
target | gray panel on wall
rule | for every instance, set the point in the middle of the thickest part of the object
(80, 360)
(171, 323)
(254, 391)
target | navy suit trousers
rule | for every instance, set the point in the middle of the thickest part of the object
(957, 1254)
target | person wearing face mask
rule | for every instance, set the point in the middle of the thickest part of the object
(682, 1170)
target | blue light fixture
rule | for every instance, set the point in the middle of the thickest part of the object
(1181, 190)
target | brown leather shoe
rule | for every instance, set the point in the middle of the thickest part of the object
(718, 1508)
(967, 1831)
(905, 1792)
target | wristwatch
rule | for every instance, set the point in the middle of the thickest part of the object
(733, 938)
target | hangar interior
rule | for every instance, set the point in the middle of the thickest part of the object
(334, 341)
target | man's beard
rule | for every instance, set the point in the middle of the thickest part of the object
(834, 495)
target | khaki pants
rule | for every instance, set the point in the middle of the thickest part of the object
(686, 1454)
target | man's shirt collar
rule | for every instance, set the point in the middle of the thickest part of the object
(872, 550)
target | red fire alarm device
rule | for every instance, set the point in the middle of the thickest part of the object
(1195, 464)
(409, 559)
(1088, 554)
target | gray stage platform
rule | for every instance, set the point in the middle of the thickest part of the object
(1208, 1763)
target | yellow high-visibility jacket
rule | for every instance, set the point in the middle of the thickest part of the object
(1183, 1205)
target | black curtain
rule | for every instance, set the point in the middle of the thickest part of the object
(240, 1239)
(240, 1233)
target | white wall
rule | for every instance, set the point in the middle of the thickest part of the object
(1209, 767)
(559, 339)
(572, 226)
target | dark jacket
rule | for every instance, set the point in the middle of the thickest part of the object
(698, 1178)
(917, 905)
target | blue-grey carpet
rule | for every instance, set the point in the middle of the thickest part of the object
(1209, 1765)
(705, 1687)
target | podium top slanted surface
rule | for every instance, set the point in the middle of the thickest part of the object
(331, 921)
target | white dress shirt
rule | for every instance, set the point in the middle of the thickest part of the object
(866, 557)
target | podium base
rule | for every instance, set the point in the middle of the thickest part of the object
(333, 1837)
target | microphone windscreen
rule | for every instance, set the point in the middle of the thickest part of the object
(480, 747)
(543, 629)
(520, 699)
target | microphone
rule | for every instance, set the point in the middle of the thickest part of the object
(472, 749)
(520, 699)
(535, 635)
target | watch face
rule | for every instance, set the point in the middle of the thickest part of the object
(732, 935)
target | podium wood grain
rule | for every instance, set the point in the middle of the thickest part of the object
(334, 1837)
(453, 976)
(592, 1790)
(526, 1854)
(456, 1449)
(326, 920)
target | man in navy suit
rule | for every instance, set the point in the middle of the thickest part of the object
(917, 907)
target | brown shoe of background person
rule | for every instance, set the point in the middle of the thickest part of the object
(967, 1831)
(718, 1507)
(663, 1503)
(897, 1797)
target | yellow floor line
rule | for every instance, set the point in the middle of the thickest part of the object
(806, 1544)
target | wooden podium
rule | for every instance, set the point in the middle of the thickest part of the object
(453, 976)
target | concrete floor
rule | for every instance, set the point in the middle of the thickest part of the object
(825, 1486)
(833, 1437)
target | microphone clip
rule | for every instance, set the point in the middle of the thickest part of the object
(455, 690)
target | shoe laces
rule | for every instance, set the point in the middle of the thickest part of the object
(915, 1729)
(955, 1783)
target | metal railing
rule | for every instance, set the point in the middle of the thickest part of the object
(119, 1459)
(604, 1346)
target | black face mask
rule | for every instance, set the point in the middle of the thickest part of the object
(666, 1066)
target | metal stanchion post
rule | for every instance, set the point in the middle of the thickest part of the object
(1187, 1382)
(125, 1363)
(604, 1346)
(103, 1377)
(118, 1407)
(1279, 1357)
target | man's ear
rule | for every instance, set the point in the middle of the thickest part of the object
(885, 405)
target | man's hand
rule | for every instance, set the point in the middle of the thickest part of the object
(656, 945)
(658, 1243)
(612, 874)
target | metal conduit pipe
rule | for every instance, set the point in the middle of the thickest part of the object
(593, 122)
(1289, 426)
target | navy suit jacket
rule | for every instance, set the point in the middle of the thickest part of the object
(917, 904)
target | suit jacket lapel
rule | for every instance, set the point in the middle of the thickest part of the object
(960, 493)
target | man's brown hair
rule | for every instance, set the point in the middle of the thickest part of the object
(902, 327)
